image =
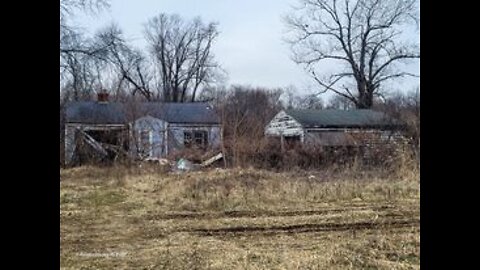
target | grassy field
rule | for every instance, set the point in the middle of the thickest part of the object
(118, 218)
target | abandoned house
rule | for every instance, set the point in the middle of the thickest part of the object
(331, 127)
(138, 130)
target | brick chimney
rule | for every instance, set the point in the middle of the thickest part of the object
(102, 97)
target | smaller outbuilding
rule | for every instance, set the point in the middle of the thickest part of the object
(332, 127)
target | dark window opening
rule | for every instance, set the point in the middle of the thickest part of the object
(292, 141)
(195, 138)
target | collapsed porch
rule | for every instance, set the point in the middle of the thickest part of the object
(95, 143)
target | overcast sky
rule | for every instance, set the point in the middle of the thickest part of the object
(250, 46)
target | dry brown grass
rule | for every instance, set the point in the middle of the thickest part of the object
(127, 218)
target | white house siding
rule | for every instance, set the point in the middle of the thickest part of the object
(284, 125)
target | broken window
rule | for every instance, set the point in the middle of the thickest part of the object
(195, 138)
(187, 138)
(292, 141)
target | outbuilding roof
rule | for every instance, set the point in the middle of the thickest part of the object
(358, 118)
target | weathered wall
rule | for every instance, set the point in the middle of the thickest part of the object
(329, 138)
(176, 135)
(157, 132)
(346, 137)
(69, 143)
(283, 124)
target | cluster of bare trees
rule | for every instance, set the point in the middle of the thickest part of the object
(292, 99)
(176, 65)
(245, 111)
(361, 41)
(182, 53)
(78, 55)
(363, 38)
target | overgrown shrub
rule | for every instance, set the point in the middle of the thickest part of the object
(267, 154)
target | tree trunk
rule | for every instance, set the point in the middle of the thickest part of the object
(365, 97)
(364, 101)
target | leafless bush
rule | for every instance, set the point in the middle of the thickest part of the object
(405, 107)
(269, 155)
(245, 111)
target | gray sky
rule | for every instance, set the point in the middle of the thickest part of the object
(250, 46)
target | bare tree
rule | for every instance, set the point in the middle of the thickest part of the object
(79, 72)
(68, 8)
(308, 101)
(340, 103)
(292, 99)
(79, 56)
(182, 51)
(362, 37)
(130, 64)
(77, 76)
(245, 111)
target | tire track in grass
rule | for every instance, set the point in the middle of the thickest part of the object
(254, 214)
(306, 228)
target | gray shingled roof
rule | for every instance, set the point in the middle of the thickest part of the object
(359, 118)
(92, 112)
